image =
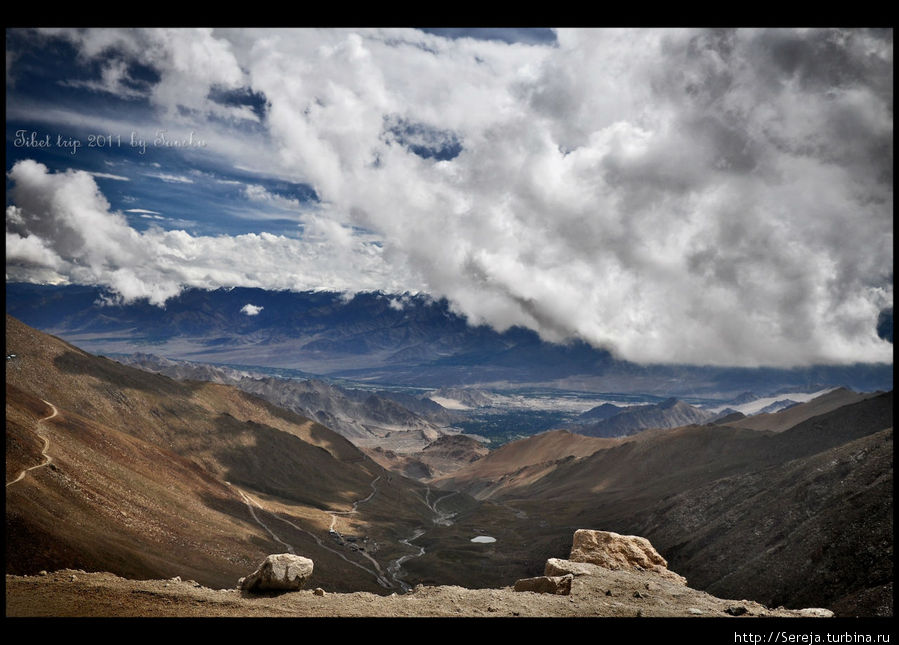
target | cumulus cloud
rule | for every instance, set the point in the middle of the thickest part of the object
(189, 62)
(257, 193)
(62, 225)
(251, 310)
(678, 196)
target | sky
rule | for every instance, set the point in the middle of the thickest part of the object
(708, 197)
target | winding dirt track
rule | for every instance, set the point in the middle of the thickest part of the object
(47, 458)
(377, 573)
(249, 502)
(334, 514)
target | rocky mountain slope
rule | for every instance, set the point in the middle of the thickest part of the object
(809, 508)
(365, 418)
(439, 458)
(152, 477)
(670, 413)
(787, 418)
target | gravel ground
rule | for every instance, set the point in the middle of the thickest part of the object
(71, 593)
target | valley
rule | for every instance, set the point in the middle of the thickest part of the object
(129, 455)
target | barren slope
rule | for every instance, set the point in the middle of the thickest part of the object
(153, 477)
(781, 517)
(785, 419)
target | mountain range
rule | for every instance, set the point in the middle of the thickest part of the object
(620, 422)
(367, 418)
(111, 468)
(410, 340)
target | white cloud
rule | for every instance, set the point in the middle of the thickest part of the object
(170, 178)
(106, 175)
(251, 310)
(190, 62)
(142, 211)
(707, 196)
(62, 222)
(257, 193)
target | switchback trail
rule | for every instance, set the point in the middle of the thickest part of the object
(248, 501)
(377, 573)
(47, 458)
(334, 514)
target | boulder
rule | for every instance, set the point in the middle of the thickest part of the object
(559, 585)
(279, 572)
(613, 551)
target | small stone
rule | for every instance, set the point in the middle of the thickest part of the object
(816, 612)
(175, 579)
(608, 592)
(736, 610)
(318, 591)
(73, 578)
(694, 611)
(42, 573)
(491, 608)
(637, 594)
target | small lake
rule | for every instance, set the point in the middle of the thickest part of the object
(483, 539)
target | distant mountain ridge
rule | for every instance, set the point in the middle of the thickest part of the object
(405, 340)
(670, 413)
(365, 418)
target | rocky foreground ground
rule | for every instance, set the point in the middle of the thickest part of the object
(614, 594)
(607, 576)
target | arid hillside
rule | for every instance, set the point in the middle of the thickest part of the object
(798, 516)
(152, 477)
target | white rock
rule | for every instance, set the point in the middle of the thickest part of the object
(613, 551)
(279, 572)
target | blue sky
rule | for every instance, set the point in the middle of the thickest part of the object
(687, 196)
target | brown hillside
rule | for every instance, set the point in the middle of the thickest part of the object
(147, 476)
(730, 507)
(540, 453)
(785, 419)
